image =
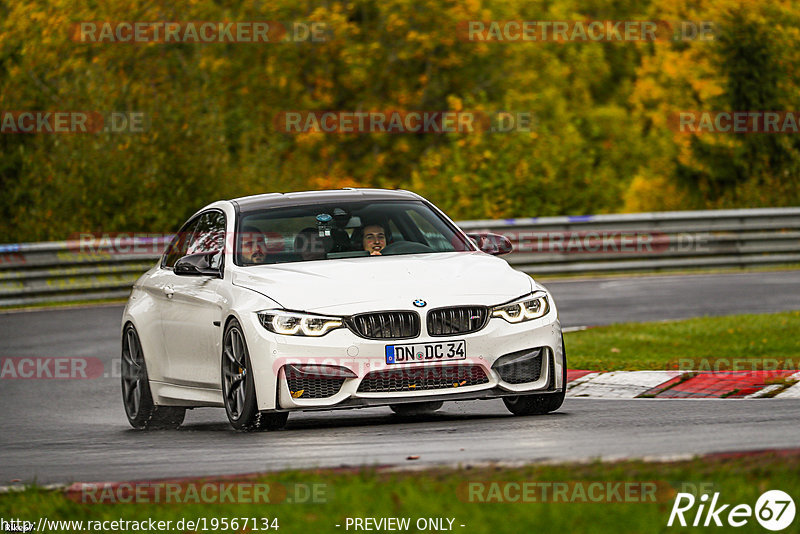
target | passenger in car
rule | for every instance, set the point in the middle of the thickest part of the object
(374, 239)
(254, 245)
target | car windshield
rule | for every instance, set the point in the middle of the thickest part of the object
(343, 230)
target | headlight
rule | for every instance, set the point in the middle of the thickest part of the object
(530, 307)
(298, 324)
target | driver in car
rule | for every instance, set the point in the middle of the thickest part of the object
(254, 245)
(374, 239)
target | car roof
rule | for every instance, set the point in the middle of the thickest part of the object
(276, 200)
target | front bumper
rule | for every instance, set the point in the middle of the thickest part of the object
(270, 355)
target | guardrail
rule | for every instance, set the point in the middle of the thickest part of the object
(650, 241)
(68, 271)
(32, 273)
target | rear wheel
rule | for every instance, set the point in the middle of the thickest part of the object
(416, 408)
(238, 386)
(542, 403)
(142, 413)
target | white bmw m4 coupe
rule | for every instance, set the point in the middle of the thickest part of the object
(275, 303)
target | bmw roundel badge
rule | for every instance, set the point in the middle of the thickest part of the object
(419, 303)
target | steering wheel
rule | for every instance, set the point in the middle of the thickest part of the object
(405, 247)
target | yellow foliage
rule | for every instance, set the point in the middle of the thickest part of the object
(333, 182)
(600, 141)
(654, 193)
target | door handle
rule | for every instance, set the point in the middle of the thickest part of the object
(169, 291)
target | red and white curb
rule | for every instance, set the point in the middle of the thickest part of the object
(792, 392)
(683, 384)
(618, 384)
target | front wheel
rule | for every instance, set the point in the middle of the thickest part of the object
(142, 412)
(542, 403)
(238, 386)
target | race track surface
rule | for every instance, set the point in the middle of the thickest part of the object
(75, 430)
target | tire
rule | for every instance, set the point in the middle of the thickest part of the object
(416, 408)
(238, 386)
(137, 399)
(542, 403)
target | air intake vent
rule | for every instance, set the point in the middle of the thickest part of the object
(457, 320)
(386, 325)
(307, 386)
(423, 378)
(520, 367)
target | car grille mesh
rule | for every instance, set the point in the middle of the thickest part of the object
(456, 320)
(423, 378)
(312, 387)
(386, 325)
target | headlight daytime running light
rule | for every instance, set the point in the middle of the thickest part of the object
(290, 323)
(527, 308)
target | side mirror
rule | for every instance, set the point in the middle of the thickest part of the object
(494, 244)
(197, 265)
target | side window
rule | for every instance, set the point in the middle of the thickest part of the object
(180, 243)
(209, 237)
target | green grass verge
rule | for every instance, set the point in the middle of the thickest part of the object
(448, 494)
(765, 341)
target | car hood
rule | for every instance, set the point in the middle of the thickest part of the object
(354, 285)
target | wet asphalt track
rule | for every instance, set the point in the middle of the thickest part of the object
(70, 430)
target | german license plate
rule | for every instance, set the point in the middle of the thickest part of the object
(426, 352)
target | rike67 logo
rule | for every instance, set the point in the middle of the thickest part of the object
(774, 510)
